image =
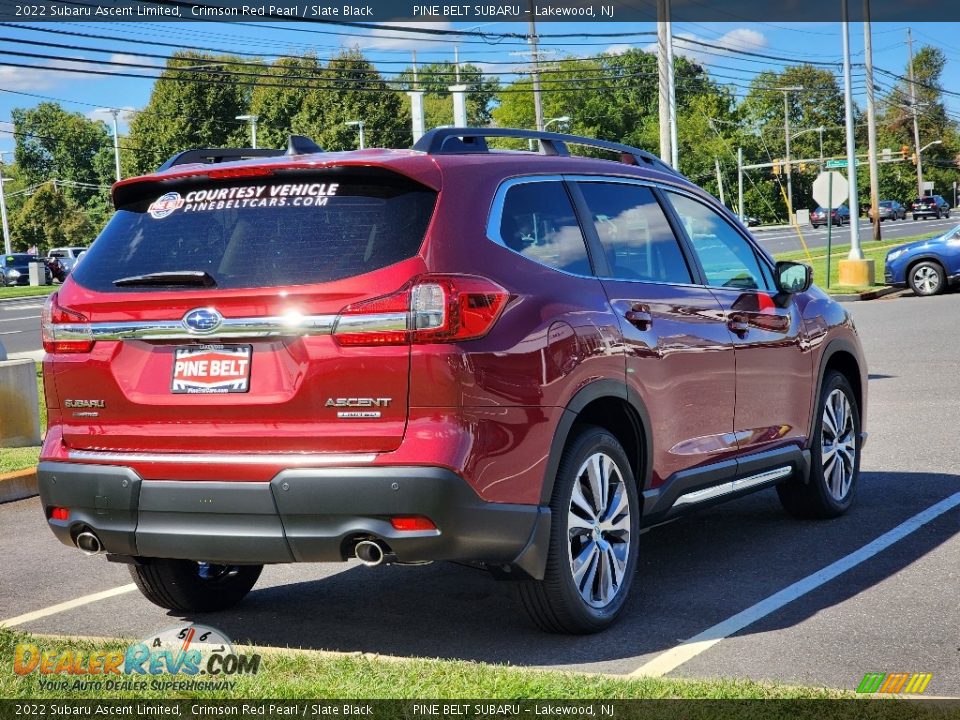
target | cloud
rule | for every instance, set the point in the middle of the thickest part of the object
(726, 44)
(398, 40)
(620, 49)
(134, 60)
(51, 73)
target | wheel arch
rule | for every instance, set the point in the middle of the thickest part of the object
(841, 355)
(616, 408)
(924, 258)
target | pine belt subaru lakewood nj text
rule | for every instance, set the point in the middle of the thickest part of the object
(513, 359)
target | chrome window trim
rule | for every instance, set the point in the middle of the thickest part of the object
(287, 459)
(495, 217)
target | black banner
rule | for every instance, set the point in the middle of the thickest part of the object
(865, 709)
(358, 13)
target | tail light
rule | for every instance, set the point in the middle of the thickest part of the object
(429, 309)
(63, 330)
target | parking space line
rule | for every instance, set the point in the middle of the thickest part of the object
(687, 650)
(64, 606)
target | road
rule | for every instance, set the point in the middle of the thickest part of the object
(893, 611)
(784, 240)
(20, 325)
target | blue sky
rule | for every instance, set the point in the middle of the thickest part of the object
(89, 93)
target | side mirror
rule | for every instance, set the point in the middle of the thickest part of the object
(793, 277)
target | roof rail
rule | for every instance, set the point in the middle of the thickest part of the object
(296, 145)
(457, 141)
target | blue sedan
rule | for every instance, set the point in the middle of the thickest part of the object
(927, 266)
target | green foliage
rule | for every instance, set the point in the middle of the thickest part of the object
(435, 78)
(49, 218)
(279, 103)
(55, 144)
(194, 104)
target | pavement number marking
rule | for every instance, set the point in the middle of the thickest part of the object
(64, 606)
(689, 649)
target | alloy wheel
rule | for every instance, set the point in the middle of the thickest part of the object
(926, 279)
(838, 444)
(598, 526)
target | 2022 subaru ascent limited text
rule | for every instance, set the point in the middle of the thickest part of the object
(513, 359)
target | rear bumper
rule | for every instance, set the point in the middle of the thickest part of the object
(302, 515)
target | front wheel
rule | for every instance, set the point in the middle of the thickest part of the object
(593, 538)
(188, 586)
(926, 278)
(835, 456)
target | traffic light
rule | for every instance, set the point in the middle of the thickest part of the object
(913, 158)
(776, 166)
(904, 149)
(803, 167)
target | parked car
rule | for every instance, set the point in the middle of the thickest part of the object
(68, 256)
(930, 206)
(15, 269)
(889, 210)
(517, 360)
(840, 215)
(752, 221)
(928, 266)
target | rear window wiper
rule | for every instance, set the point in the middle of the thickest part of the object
(199, 278)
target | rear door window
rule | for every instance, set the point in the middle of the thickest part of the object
(636, 238)
(538, 222)
(265, 232)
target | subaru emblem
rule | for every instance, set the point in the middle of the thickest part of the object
(202, 321)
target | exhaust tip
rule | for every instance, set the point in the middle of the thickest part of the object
(89, 543)
(369, 552)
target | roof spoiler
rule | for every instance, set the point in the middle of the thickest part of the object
(296, 145)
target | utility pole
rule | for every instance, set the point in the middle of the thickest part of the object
(116, 141)
(416, 104)
(871, 122)
(856, 253)
(664, 70)
(674, 148)
(3, 209)
(913, 108)
(535, 70)
(786, 130)
(743, 215)
(716, 164)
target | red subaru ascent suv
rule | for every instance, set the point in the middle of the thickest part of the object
(512, 359)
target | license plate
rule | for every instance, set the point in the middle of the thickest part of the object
(211, 369)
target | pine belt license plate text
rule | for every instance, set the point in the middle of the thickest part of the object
(211, 369)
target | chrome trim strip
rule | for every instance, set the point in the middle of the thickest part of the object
(278, 326)
(698, 496)
(288, 459)
(379, 322)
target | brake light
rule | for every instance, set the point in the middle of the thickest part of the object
(63, 330)
(429, 309)
(238, 173)
(412, 523)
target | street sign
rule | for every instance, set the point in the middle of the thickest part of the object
(827, 196)
(839, 163)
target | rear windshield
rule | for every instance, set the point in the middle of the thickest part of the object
(263, 232)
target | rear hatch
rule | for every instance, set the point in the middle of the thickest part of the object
(212, 302)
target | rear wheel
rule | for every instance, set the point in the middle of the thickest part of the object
(835, 455)
(593, 538)
(188, 586)
(926, 278)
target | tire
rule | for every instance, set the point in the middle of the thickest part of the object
(557, 603)
(187, 586)
(833, 480)
(926, 278)
(914, 218)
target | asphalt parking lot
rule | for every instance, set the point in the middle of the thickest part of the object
(893, 610)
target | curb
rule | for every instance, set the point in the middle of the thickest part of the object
(18, 485)
(867, 294)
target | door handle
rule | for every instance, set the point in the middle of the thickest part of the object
(737, 325)
(639, 316)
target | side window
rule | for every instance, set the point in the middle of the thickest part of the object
(538, 222)
(726, 257)
(637, 240)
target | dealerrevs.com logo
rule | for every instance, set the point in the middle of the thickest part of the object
(182, 658)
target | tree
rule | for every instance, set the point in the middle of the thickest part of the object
(352, 89)
(435, 79)
(53, 144)
(49, 218)
(278, 101)
(194, 104)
